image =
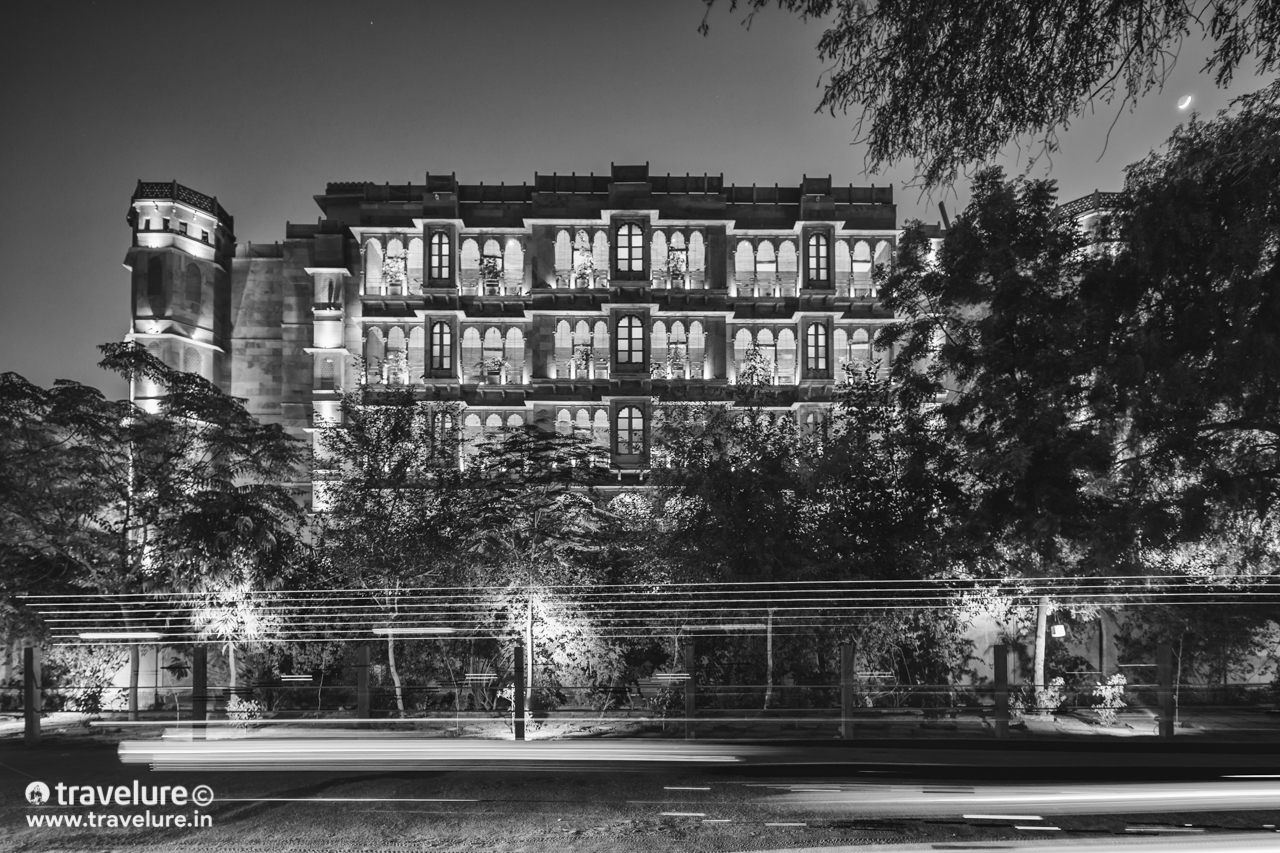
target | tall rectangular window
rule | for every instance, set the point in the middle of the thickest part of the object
(630, 248)
(815, 348)
(441, 346)
(204, 236)
(440, 268)
(182, 228)
(166, 223)
(629, 429)
(816, 259)
(146, 225)
(630, 340)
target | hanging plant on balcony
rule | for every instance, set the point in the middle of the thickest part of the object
(677, 265)
(393, 270)
(493, 364)
(490, 269)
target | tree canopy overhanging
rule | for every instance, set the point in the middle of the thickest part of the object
(949, 84)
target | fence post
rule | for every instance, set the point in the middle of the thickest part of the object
(847, 682)
(1001, 671)
(517, 695)
(1164, 669)
(199, 690)
(690, 699)
(362, 682)
(32, 701)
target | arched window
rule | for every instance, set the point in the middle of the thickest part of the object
(155, 284)
(629, 431)
(630, 248)
(194, 286)
(191, 361)
(441, 346)
(630, 340)
(816, 259)
(815, 347)
(327, 372)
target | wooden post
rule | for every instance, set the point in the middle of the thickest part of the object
(1001, 667)
(32, 701)
(690, 703)
(199, 690)
(1164, 669)
(517, 695)
(848, 680)
(362, 683)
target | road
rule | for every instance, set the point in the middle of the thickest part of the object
(375, 792)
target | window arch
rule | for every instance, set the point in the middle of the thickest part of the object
(817, 257)
(441, 260)
(630, 248)
(327, 374)
(815, 348)
(372, 267)
(441, 346)
(194, 285)
(155, 284)
(191, 361)
(630, 340)
(629, 431)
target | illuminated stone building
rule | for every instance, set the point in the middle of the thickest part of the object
(577, 302)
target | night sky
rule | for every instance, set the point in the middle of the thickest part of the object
(262, 104)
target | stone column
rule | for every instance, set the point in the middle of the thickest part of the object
(517, 696)
(1164, 670)
(362, 682)
(199, 690)
(1001, 667)
(690, 698)
(32, 699)
(848, 682)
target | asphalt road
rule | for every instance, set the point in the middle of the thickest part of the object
(618, 795)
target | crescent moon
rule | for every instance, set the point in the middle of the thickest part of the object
(1184, 103)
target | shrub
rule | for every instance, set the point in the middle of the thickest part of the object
(1109, 699)
(243, 711)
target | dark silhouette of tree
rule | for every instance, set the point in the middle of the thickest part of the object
(951, 84)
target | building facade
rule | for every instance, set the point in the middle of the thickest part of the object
(577, 303)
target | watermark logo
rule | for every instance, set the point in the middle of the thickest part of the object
(37, 793)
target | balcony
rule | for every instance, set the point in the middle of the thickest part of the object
(694, 280)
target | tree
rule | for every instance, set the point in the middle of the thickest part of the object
(951, 84)
(1118, 406)
(390, 514)
(186, 498)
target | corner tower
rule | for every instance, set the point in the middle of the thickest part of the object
(180, 261)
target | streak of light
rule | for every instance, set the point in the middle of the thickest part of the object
(382, 753)
(1001, 817)
(120, 635)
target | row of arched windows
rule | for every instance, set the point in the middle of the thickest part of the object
(582, 260)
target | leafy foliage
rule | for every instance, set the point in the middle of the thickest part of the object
(950, 84)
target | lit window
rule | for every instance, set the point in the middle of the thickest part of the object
(440, 256)
(204, 235)
(630, 340)
(816, 257)
(630, 248)
(630, 431)
(441, 346)
(815, 349)
(182, 228)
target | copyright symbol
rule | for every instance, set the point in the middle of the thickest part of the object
(202, 795)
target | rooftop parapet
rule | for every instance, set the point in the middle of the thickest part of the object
(174, 191)
(1096, 201)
